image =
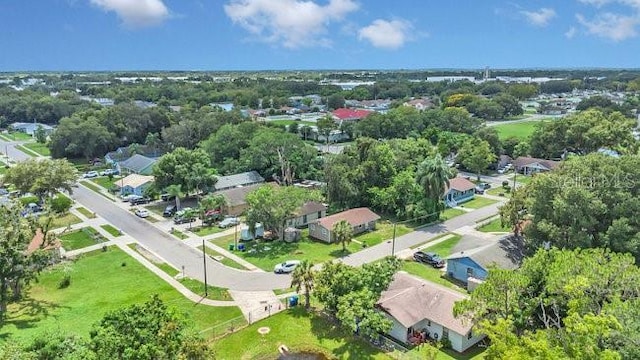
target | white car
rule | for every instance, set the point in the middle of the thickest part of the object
(286, 267)
(90, 174)
(227, 222)
(109, 172)
(143, 213)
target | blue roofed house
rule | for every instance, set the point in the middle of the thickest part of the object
(472, 266)
(133, 184)
(137, 164)
(238, 180)
(459, 190)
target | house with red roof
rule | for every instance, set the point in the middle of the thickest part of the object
(458, 191)
(361, 220)
(344, 114)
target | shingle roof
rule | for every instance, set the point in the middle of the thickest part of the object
(351, 114)
(460, 184)
(235, 180)
(133, 180)
(507, 253)
(311, 207)
(524, 161)
(137, 163)
(410, 300)
(354, 217)
(237, 196)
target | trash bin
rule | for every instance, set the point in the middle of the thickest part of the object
(231, 247)
(241, 247)
(293, 301)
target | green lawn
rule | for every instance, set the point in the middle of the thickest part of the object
(100, 282)
(289, 122)
(104, 182)
(522, 179)
(499, 190)
(93, 187)
(81, 238)
(494, 226)
(64, 220)
(158, 208)
(299, 331)
(225, 260)
(521, 130)
(86, 213)
(266, 255)
(207, 230)
(178, 234)
(18, 136)
(450, 213)
(427, 272)
(40, 148)
(111, 230)
(478, 202)
(26, 151)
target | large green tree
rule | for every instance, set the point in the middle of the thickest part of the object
(188, 168)
(476, 155)
(42, 177)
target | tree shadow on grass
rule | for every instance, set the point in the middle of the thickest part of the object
(29, 312)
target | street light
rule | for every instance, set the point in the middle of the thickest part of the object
(204, 259)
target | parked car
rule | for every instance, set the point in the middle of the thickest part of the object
(140, 200)
(131, 198)
(33, 207)
(286, 267)
(429, 258)
(170, 210)
(109, 172)
(230, 221)
(90, 174)
(167, 197)
(478, 190)
(182, 218)
(211, 216)
(484, 185)
(143, 213)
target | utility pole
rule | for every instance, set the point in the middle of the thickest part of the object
(393, 241)
(204, 258)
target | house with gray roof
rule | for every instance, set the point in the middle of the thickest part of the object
(472, 266)
(30, 128)
(420, 310)
(137, 164)
(237, 180)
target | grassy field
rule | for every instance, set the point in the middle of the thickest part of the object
(225, 260)
(299, 331)
(478, 202)
(494, 226)
(522, 179)
(64, 221)
(39, 148)
(521, 130)
(111, 230)
(429, 273)
(81, 238)
(100, 282)
(450, 213)
(266, 255)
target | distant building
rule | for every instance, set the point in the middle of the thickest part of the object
(420, 104)
(30, 128)
(344, 114)
(236, 199)
(133, 184)
(145, 104)
(307, 213)
(530, 166)
(224, 106)
(237, 180)
(137, 164)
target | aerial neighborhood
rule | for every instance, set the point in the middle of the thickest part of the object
(423, 214)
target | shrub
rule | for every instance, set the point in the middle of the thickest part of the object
(446, 343)
(60, 204)
(505, 184)
(29, 199)
(507, 189)
(65, 281)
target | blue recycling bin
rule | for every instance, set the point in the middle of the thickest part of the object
(293, 301)
(241, 247)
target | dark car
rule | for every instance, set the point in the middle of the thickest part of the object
(169, 211)
(167, 197)
(140, 201)
(484, 186)
(432, 259)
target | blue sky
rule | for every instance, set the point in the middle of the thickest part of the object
(316, 34)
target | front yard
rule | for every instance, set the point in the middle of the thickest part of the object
(64, 220)
(494, 226)
(266, 254)
(427, 272)
(39, 148)
(450, 213)
(478, 202)
(81, 238)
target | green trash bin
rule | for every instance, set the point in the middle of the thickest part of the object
(231, 247)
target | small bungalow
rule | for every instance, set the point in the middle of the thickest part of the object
(237, 180)
(30, 128)
(235, 199)
(529, 166)
(459, 190)
(137, 164)
(134, 184)
(472, 266)
(310, 211)
(361, 220)
(421, 310)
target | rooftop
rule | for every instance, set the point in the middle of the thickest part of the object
(354, 217)
(235, 180)
(133, 180)
(460, 184)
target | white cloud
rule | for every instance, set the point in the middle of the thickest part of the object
(601, 3)
(293, 23)
(611, 26)
(539, 18)
(136, 13)
(386, 34)
(569, 34)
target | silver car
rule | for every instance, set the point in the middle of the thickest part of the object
(286, 267)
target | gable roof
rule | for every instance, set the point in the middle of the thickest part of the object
(137, 163)
(460, 184)
(410, 300)
(523, 161)
(506, 253)
(237, 196)
(351, 114)
(354, 217)
(235, 180)
(311, 207)
(133, 180)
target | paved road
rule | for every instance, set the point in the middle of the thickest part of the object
(8, 148)
(176, 252)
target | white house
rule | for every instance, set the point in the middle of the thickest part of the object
(420, 310)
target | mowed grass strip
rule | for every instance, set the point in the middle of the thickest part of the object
(111, 230)
(100, 282)
(39, 148)
(88, 214)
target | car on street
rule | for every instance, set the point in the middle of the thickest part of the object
(429, 258)
(228, 222)
(143, 213)
(140, 200)
(109, 172)
(170, 210)
(90, 174)
(286, 267)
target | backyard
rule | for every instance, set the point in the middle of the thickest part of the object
(95, 277)
(266, 255)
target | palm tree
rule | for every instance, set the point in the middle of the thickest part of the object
(302, 277)
(175, 190)
(210, 202)
(190, 214)
(433, 176)
(342, 232)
